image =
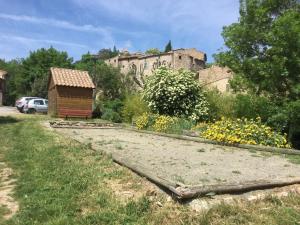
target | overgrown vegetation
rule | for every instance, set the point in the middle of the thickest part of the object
(244, 131)
(163, 123)
(134, 106)
(29, 76)
(62, 182)
(175, 93)
(263, 50)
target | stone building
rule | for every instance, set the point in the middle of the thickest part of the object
(142, 65)
(216, 77)
(2, 86)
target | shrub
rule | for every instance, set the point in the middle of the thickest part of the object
(97, 111)
(179, 125)
(163, 123)
(200, 127)
(244, 131)
(294, 123)
(220, 104)
(175, 93)
(111, 115)
(134, 106)
(111, 110)
(279, 121)
(145, 121)
(115, 105)
(251, 106)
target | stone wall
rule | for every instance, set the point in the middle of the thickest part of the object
(216, 77)
(144, 65)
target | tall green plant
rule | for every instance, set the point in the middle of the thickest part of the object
(134, 106)
(220, 104)
(263, 48)
(175, 93)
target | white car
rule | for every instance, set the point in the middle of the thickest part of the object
(36, 105)
(22, 101)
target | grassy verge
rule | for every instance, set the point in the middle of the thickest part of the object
(62, 182)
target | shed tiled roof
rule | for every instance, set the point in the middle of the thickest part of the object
(2, 74)
(72, 78)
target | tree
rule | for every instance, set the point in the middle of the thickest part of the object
(115, 51)
(35, 70)
(175, 93)
(168, 47)
(152, 51)
(263, 48)
(107, 79)
(107, 53)
(14, 70)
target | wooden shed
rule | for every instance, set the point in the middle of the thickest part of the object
(70, 93)
(2, 86)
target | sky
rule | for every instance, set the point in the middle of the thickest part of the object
(81, 26)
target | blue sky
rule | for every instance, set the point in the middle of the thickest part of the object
(79, 26)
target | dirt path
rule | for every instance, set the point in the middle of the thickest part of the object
(186, 162)
(9, 111)
(7, 202)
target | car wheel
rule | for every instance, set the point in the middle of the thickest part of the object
(21, 109)
(31, 111)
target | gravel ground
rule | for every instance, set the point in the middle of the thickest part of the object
(9, 111)
(188, 162)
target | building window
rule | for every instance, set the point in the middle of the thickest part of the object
(179, 57)
(115, 60)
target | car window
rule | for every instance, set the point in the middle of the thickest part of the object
(29, 98)
(38, 102)
(46, 101)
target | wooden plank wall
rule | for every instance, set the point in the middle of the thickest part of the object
(74, 101)
(52, 99)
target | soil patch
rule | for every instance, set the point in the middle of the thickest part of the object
(7, 186)
(187, 166)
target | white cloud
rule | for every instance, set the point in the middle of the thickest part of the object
(56, 23)
(106, 36)
(32, 41)
(204, 12)
(188, 23)
(13, 46)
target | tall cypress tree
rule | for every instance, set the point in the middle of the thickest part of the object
(115, 49)
(168, 47)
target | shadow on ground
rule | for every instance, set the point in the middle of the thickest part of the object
(7, 119)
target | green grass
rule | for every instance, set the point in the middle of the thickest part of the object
(62, 182)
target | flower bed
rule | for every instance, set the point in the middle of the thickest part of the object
(244, 131)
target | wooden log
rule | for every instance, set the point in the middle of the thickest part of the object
(186, 192)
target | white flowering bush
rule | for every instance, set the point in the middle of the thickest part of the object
(175, 93)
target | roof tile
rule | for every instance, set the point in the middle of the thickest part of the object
(72, 78)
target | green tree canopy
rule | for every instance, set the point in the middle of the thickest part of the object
(152, 51)
(35, 70)
(263, 48)
(14, 70)
(106, 53)
(107, 79)
(168, 47)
